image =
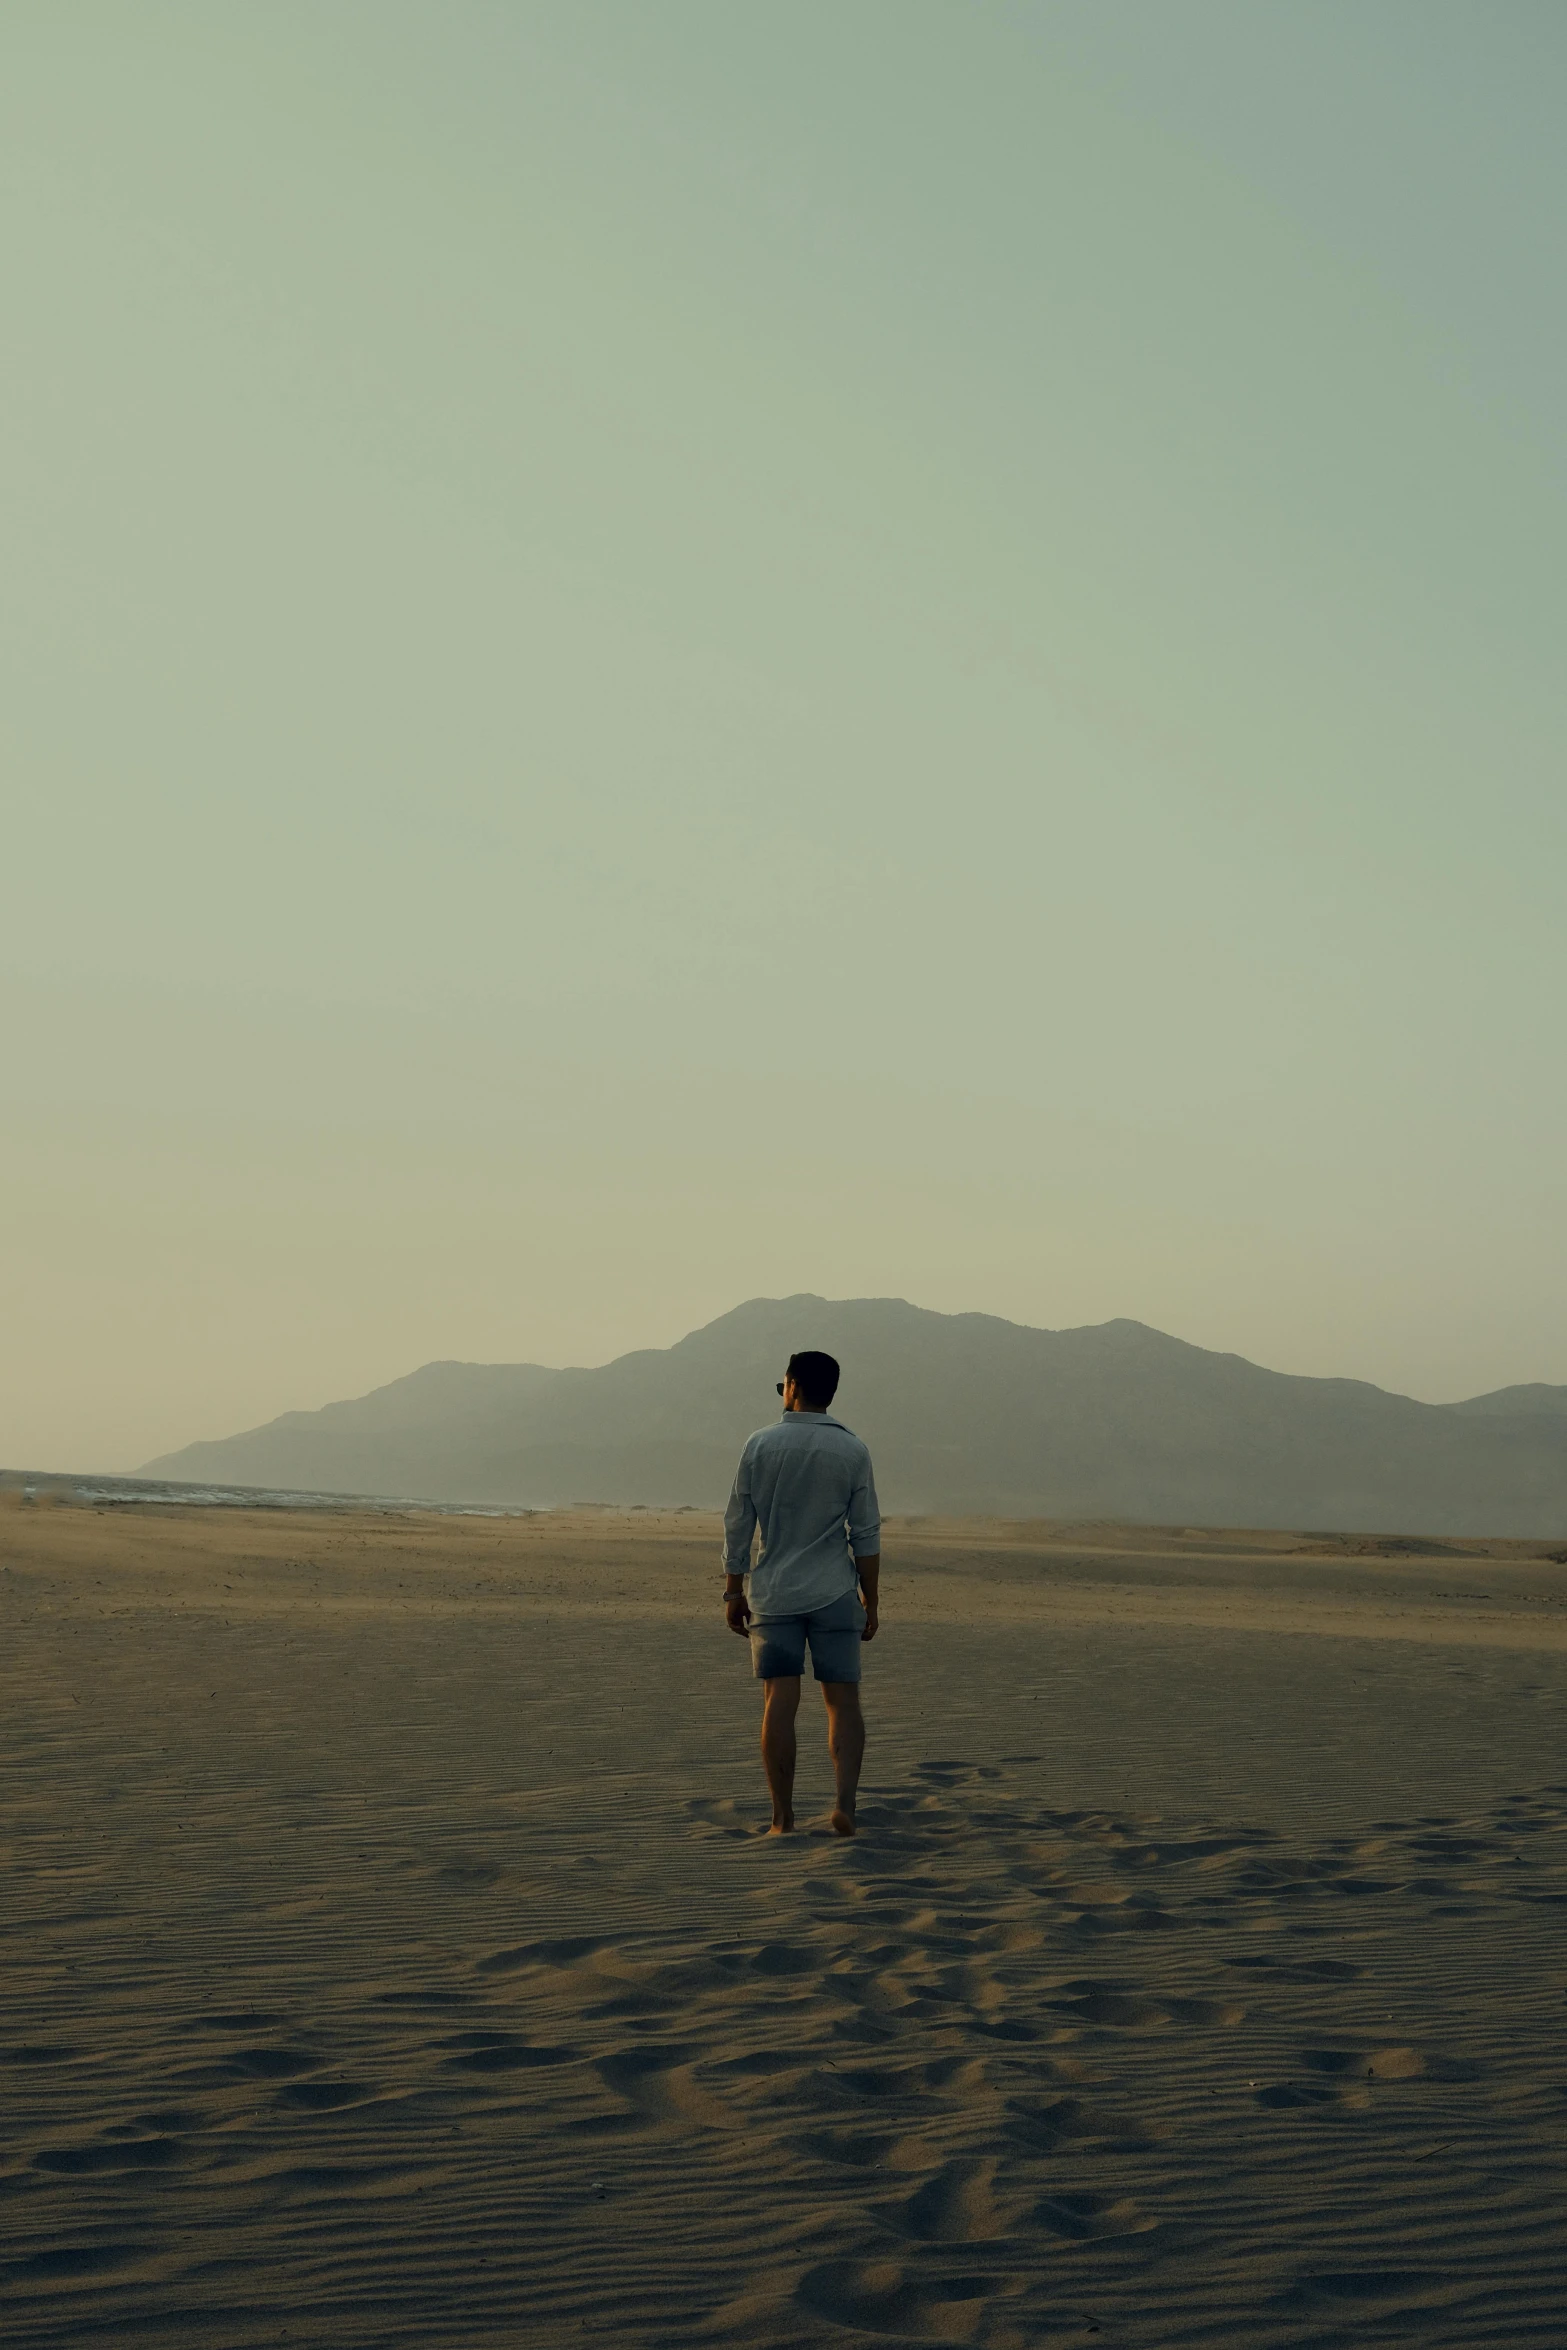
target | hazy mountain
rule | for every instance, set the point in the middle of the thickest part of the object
(1503, 1402)
(963, 1412)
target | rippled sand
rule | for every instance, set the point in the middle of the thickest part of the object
(389, 1956)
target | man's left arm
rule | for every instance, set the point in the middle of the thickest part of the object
(739, 1528)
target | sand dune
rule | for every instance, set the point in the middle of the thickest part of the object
(390, 1957)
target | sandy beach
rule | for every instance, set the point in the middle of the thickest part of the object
(390, 1956)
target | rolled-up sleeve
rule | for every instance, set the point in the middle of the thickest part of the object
(739, 1520)
(864, 1514)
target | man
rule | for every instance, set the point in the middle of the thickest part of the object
(806, 1481)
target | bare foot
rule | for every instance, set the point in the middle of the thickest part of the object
(783, 1827)
(843, 1823)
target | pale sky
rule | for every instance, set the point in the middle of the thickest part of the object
(652, 655)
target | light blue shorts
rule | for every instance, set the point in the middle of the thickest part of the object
(832, 1634)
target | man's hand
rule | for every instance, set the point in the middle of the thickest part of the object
(737, 1611)
(868, 1570)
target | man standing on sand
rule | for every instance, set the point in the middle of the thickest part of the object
(806, 1481)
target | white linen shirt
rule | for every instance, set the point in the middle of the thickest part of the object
(806, 1481)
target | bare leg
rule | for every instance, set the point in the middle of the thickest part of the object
(846, 1745)
(780, 1704)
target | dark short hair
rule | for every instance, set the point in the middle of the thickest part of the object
(816, 1377)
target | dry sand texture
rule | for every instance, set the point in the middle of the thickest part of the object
(387, 1958)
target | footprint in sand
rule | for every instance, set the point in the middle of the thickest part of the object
(1456, 1849)
(1082, 2215)
(660, 2085)
(1375, 2064)
(476, 1873)
(957, 2205)
(856, 2149)
(324, 2096)
(874, 2082)
(1300, 1970)
(170, 2121)
(124, 2154)
(1096, 1893)
(1363, 2289)
(418, 2000)
(1040, 2126)
(77, 2260)
(498, 2052)
(784, 1958)
(1287, 2096)
(358, 2178)
(1117, 2007)
(882, 2297)
(561, 1950)
(266, 2064)
(721, 1816)
(763, 2078)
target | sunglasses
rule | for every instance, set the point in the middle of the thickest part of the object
(780, 1387)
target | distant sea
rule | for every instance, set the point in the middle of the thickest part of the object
(90, 1492)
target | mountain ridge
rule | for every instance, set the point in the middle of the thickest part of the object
(965, 1414)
